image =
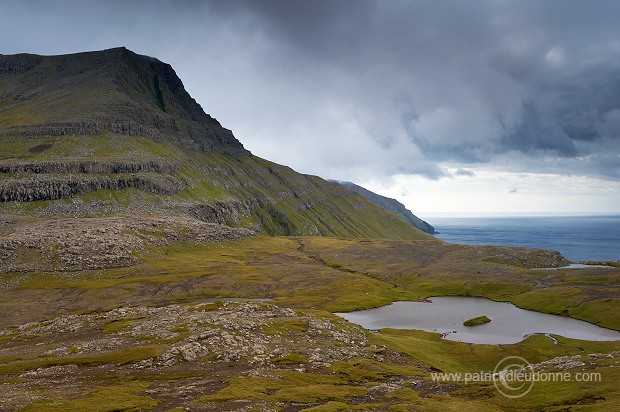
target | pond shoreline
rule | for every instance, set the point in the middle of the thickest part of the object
(446, 314)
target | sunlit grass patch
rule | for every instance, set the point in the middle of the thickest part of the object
(300, 388)
(318, 393)
(355, 294)
(549, 300)
(333, 406)
(291, 359)
(363, 370)
(285, 327)
(603, 312)
(125, 397)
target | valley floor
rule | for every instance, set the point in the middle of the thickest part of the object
(123, 322)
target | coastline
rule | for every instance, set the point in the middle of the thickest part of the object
(581, 239)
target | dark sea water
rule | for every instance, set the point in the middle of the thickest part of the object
(577, 238)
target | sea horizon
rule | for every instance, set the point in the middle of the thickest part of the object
(447, 215)
(578, 237)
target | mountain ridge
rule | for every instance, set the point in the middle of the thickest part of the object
(391, 205)
(115, 132)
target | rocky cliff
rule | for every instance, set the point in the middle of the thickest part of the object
(115, 132)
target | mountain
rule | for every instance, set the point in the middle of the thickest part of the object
(391, 205)
(114, 91)
(113, 132)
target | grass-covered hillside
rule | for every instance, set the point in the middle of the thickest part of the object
(392, 205)
(114, 132)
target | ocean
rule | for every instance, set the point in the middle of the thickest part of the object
(578, 238)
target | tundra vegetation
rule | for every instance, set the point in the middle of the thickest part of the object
(144, 336)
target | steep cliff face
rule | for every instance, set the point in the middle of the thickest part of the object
(161, 165)
(115, 132)
(46, 187)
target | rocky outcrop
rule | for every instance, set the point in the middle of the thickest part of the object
(60, 179)
(230, 212)
(93, 243)
(230, 332)
(53, 187)
(129, 128)
(160, 165)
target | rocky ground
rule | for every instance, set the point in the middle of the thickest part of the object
(213, 356)
(118, 313)
(93, 243)
(197, 346)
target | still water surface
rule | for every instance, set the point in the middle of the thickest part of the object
(446, 315)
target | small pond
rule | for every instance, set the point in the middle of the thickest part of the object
(446, 315)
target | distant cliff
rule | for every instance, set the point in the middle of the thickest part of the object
(391, 205)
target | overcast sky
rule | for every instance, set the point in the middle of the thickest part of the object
(486, 106)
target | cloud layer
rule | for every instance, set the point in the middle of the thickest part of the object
(359, 89)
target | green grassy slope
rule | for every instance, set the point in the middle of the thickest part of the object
(392, 205)
(241, 190)
(116, 107)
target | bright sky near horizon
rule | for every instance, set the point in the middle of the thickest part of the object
(487, 107)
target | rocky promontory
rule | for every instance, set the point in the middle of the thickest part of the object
(94, 243)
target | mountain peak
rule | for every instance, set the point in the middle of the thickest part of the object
(109, 91)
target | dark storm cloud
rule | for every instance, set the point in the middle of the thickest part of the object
(470, 81)
(351, 89)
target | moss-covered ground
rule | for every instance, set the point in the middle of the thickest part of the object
(315, 276)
